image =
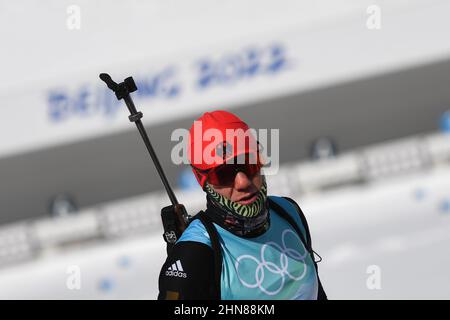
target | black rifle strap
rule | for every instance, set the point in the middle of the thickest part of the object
(216, 247)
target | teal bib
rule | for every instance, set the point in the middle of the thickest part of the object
(274, 265)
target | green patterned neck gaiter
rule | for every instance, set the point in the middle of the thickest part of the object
(241, 219)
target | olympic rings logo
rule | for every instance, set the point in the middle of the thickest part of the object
(272, 267)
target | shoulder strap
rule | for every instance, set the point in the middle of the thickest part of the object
(321, 295)
(303, 219)
(215, 243)
(286, 216)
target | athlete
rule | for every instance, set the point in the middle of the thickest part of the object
(245, 245)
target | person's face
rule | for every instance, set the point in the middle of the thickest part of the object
(244, 190)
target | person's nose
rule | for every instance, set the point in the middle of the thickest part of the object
(241, 181)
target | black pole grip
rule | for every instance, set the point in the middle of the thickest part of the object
(109, 82)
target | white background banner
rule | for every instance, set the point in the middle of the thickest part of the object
(79, 106)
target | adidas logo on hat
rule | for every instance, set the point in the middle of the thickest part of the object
(176, 270)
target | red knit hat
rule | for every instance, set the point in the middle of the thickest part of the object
(216, 138)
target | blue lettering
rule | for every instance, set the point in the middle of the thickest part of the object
(89, 101)
(81, 103)
(206, 74)
(248, 63)
(108, 101)
(230, 69)
(162, 84)
(169, 86)
(58, 106)
(277, 59)
(253, 58)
